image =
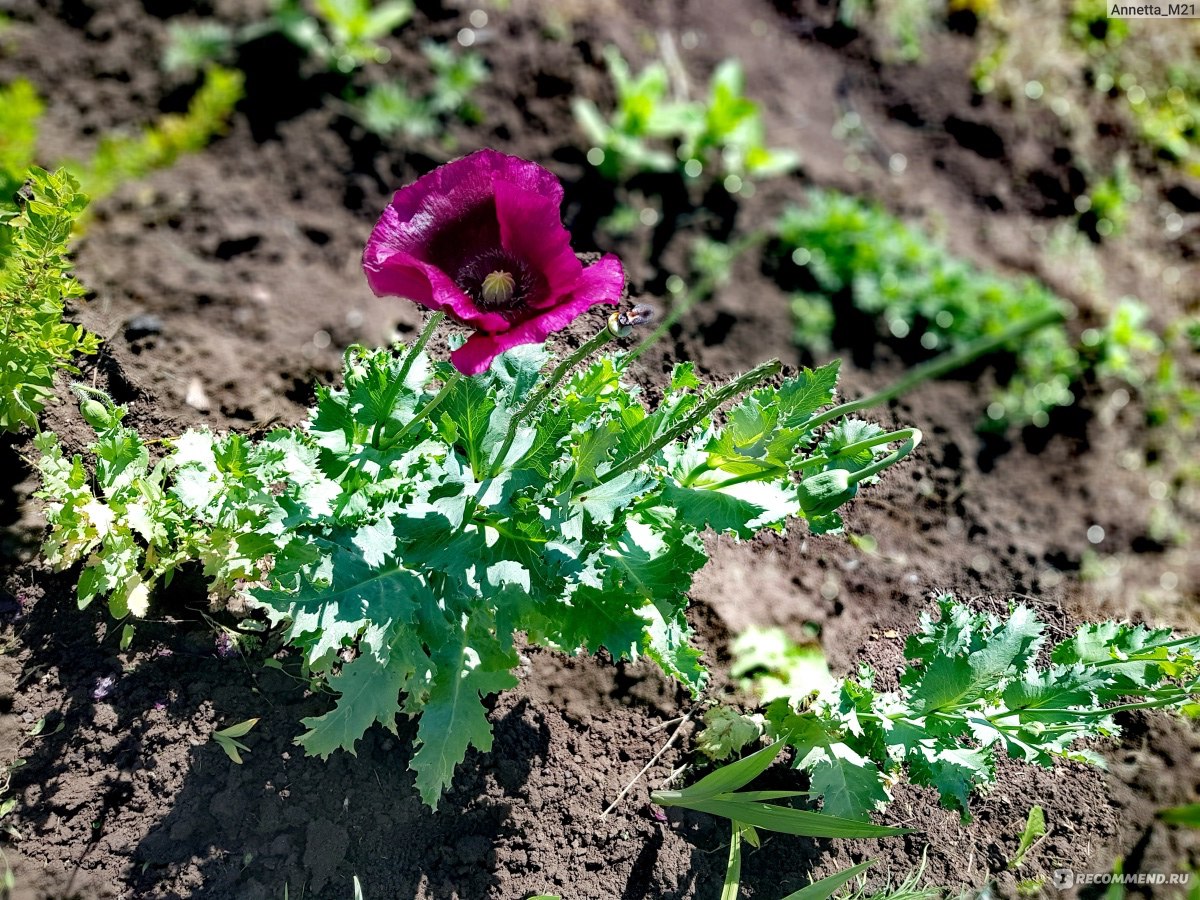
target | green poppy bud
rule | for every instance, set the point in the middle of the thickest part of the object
(97, 414)
(824, 492)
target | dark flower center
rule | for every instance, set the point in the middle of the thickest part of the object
(497, 281)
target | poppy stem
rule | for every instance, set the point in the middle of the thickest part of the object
(389, 400)
(424, 412)
(911, 438)
(734, 389)
(603, 336)
(942, 365)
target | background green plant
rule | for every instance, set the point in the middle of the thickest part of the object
(857, 254)
(341, 35)
(899, 26)
(35, 284)
(118, 157)
(651, 130)
(127, 157)
(20, 111)
(1072, 48)
(390, 107)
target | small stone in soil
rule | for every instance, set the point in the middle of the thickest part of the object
(196, 398)
(145, 325)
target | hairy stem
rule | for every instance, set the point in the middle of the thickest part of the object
(735, 388)
(538, 397)
(911, 438)
(942, 365)
(424, 412)
(393, 392)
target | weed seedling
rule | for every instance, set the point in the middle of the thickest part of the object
(1035, 830)
(227, 739)
(653, 130)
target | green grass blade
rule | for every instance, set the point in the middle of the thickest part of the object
(733, 870)
(725, 779)
(820, 890)
(757, 796)
(792, 821)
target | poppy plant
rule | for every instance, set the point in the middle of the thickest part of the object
(481, 239)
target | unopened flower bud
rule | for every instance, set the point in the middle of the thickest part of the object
(824, 492)
(97, 414)
(639, 315)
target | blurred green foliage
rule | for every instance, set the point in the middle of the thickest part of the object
(855, 252)
(20, 111)
(652, 130)
(35, 282)
(118, 157)
(1071, 48)
(390, 108)
(127, 157)
(342, 35)
(902, 24)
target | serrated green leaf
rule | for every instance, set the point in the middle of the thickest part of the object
(369, 687)
(951, 681)
(851, 784)
(683, 377)
(469, 409)
(602, 501)
(453, 717)
(954, 771)
(799, 398)
(722, 512)
(335, 599)
(668, 643)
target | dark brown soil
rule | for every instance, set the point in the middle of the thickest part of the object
(248, 250)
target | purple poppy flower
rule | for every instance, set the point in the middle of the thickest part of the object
(481, 239)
